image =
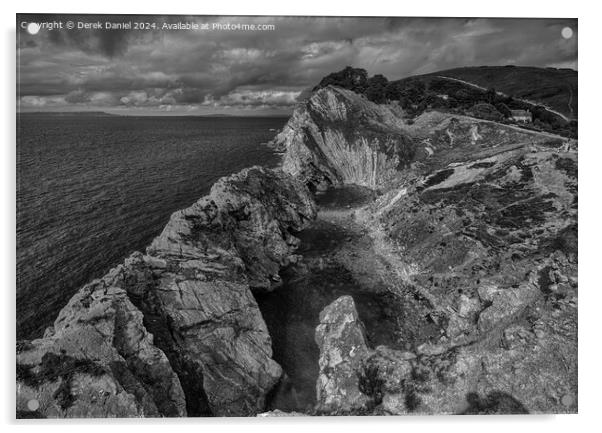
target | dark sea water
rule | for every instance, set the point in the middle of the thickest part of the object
(93, 189)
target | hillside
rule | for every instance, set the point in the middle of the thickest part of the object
(490, 100)
(554, 88)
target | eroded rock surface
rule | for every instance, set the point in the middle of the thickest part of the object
(476, 244)
(97, 361)
(339, 137)
(518, 371)
(176, 331)
(242, 231)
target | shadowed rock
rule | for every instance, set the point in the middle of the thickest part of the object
(496, 403)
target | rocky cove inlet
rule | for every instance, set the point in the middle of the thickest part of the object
(292, 311)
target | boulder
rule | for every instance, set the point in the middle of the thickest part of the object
(343, 348)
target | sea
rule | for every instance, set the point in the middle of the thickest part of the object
(93, 188)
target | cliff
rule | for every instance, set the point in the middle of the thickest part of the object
(175, 331)
(474, 238)
(338, 137)
(450, 280)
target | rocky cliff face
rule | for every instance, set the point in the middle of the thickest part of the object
(98, 360)
(339, 137)
(479, 239)
(177, 330)
(491, 244)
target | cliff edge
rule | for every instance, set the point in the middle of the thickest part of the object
(175, 331)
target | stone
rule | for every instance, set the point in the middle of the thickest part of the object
(340, 338)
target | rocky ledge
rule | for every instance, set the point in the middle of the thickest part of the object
(175, 331)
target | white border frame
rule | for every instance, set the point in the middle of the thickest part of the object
(590, 156)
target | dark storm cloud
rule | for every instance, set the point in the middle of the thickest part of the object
(91, 41)
(109, 44)
(261, 70)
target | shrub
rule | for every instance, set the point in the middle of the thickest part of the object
(371, 384)
(486, 111)
(354, 79)
(376, 89)
(503, 109)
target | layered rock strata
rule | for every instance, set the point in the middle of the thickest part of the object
(339, 137)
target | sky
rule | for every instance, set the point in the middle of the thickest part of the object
(214, 69)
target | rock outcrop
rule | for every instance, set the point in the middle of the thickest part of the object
(339, 137)
(177, 330)
(492, 242)
(242, 231)
(479, 233)
(97, 361)
(526, 373)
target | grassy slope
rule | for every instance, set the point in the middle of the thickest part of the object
(556, 88)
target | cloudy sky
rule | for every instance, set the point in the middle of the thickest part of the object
(245, 72)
